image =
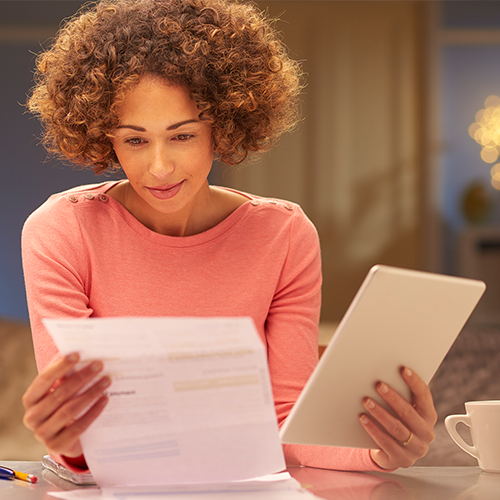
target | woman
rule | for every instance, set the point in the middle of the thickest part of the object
(157, 89)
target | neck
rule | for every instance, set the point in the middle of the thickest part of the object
(192, 219)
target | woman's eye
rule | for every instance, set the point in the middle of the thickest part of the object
(183, 137)
(136, 141)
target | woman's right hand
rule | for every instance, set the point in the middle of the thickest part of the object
(53, 404)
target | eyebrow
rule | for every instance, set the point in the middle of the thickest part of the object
(170, 127)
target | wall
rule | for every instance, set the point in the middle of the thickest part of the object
(465, 71)
(28, 177)
(354, 164)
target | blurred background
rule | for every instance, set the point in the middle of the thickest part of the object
(396, 159)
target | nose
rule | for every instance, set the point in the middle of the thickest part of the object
(162, 163)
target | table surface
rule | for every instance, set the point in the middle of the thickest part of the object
(415, 483)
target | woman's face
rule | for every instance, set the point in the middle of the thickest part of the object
(163, 147)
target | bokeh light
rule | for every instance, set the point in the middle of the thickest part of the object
(486, 132)
(495, 176)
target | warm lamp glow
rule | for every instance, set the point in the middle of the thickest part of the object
(489, 155)
(495, 176)
(486, 132)
(495, 183)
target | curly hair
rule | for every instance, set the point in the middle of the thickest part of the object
(226, 53)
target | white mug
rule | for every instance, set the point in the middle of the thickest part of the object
(483, 418)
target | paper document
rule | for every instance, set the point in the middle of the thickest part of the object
(274, 487)
(190, 401)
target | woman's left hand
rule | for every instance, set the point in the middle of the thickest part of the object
(405, 438)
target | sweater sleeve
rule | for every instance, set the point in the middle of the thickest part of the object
(54, 277)
(292, 338)
(54, 274)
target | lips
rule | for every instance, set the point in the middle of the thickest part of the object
(165, 192)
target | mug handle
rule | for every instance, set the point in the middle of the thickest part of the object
(450, 423)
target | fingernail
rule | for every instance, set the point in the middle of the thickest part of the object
(103, 400)
(369, 403)
(408, 372)
(363, 419)
(383, 388)
(73, 357)
(96, 366)
(104, 382)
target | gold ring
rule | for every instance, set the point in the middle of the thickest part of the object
(405, 443)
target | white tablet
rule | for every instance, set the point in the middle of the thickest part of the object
(399, 317)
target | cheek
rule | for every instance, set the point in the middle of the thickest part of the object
(208, 163)
(201, 160)
(127, 162)
(209, 152)
(119, 155)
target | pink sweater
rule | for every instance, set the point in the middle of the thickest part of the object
(85, 255)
